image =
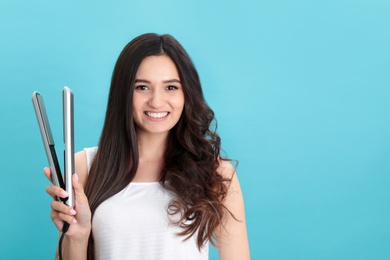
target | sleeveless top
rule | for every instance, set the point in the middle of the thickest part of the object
(134, 224)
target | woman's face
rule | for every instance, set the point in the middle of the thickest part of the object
(158, 99)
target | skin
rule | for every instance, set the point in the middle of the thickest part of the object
(157, 90)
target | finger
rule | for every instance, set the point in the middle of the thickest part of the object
(56, 191)
(62, 208)
(47, 172)
(67, 218)
(59, 219)
(56, 219)
(61, 213)
(75, 182)
(78, 189)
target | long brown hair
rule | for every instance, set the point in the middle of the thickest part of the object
(193, 148)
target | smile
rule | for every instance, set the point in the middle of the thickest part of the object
(157, 115)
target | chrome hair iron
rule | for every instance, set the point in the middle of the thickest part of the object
(48, 142)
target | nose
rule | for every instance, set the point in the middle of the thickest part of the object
(156, 99)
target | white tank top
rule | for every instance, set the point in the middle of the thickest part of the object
(134, 224)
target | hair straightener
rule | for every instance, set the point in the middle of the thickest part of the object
(48, 142)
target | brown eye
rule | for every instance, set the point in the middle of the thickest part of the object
(142, 87)
(172, 87)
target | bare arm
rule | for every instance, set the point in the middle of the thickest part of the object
(74, 245)
(232, 235)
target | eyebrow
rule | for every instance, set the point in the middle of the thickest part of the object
(165, 81)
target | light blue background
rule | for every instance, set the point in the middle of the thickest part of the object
(301, 91)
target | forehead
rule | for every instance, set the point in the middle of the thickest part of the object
(157, 68)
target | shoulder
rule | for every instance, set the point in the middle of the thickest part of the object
(227, 171)
(81, 167)
(231, 235)
(233, 198)
(225, 168)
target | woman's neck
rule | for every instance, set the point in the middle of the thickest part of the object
(151, 157)
(151, 146)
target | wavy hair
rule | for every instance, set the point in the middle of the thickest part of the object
(192, 152)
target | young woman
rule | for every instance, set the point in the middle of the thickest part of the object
(156, 187)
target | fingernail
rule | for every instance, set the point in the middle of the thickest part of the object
(64, 194)
(72, 212)
(74, 221)
(76, 177)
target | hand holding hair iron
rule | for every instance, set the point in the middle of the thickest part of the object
(48, 141)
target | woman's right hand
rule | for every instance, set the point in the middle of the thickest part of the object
(79, 218)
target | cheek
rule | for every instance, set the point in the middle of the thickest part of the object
(180, 102)
(179, 107)
(136, 104)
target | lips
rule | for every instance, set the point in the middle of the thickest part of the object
(156, 114)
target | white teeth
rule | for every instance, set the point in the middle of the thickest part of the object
(157, 115)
